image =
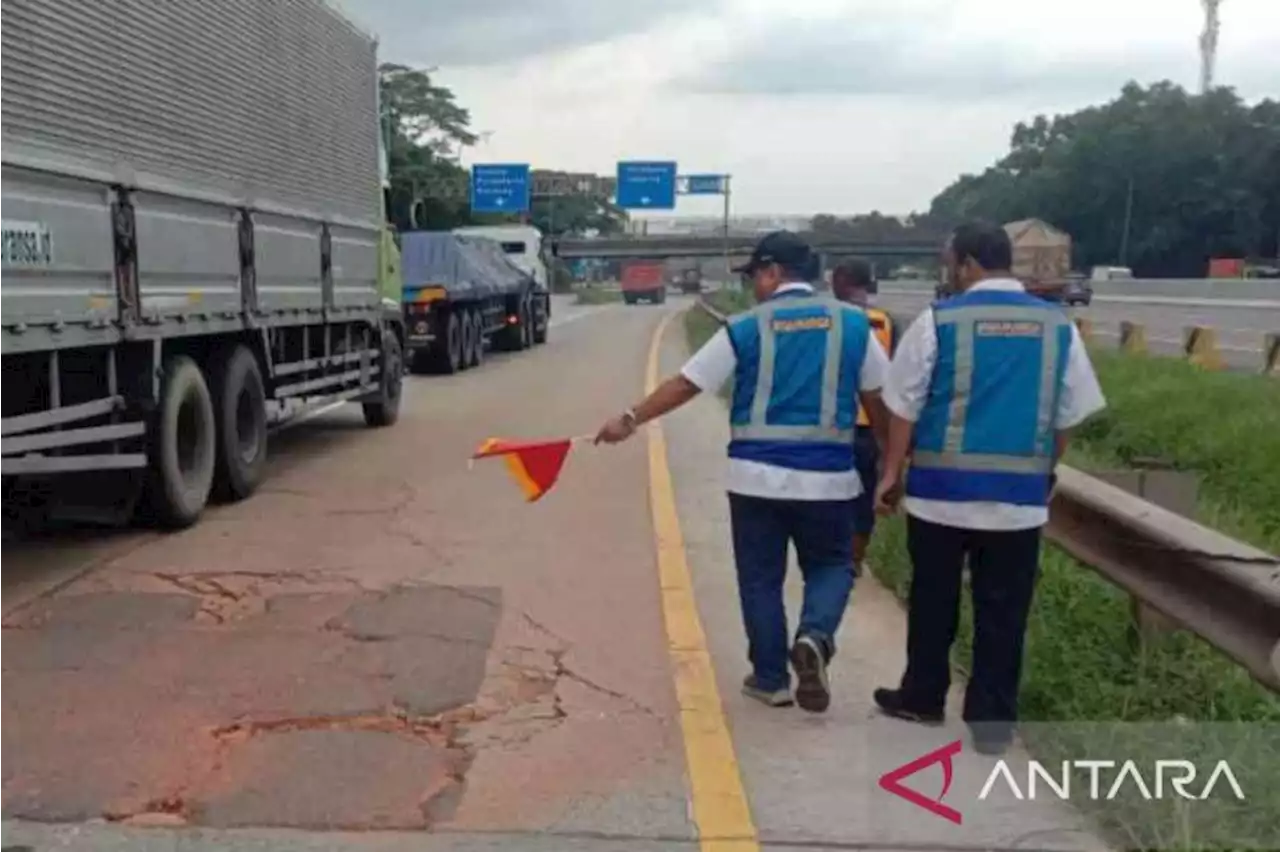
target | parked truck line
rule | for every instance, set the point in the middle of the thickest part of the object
(200, 269)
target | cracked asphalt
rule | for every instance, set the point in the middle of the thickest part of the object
(381, 638)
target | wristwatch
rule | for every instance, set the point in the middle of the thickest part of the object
(629, 417)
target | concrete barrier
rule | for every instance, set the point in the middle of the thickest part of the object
(1133, 337)
(1200, 345)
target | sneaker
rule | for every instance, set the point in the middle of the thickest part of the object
(768, 697)
(891, 703)
(813, 693)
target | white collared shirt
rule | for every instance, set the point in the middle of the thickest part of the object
(715, 363)
(907, 389)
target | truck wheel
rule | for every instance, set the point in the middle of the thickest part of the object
(449, 348)
(468, 348)
(476, 319)
(183, 447)
(240, 405)
(526, 323)
(542, 325)
(385, 410)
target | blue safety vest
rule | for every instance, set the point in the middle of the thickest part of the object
(795, 390)
(986, 432)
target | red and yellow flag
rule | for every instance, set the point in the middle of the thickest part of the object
(534, 465)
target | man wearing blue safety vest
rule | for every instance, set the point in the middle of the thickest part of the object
(800, 363)
(983, 392)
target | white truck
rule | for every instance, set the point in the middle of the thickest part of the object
(194, 245)
(521, 243)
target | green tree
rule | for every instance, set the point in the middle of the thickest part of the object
(1156, 179)
(427, 131)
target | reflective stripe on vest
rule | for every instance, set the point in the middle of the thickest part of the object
(882, 328)
(1009, 457)
(964, 318)
(757, 428)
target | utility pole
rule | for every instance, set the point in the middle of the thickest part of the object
(1209, 44)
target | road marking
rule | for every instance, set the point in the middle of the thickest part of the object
(720, 809)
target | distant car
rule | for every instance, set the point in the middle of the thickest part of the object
(1077, 291)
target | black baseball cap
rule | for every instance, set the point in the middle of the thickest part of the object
(782, 247)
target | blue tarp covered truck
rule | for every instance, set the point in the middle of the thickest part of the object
(463, 294)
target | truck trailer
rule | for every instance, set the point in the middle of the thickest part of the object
(194, 246)
(463, 294)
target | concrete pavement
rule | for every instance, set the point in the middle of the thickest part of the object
(384, 650)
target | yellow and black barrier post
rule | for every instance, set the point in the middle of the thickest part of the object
(1085, 327)
(1200, 345)
(1271, 354)
(1133, 338)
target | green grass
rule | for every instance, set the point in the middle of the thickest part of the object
(1223, 426)
(597, 296)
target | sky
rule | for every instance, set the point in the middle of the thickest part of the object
(813, 106)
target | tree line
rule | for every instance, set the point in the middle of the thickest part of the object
(1157, 179)
(425, 131)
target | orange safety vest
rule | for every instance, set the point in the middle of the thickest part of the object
(882, 328)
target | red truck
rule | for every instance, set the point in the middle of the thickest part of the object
(644, 280)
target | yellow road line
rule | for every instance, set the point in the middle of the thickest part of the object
(720, 808)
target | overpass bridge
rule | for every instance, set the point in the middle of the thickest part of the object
(662, 247)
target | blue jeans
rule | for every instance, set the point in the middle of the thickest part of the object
(822, 531)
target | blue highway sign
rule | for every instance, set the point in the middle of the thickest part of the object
(500, 188)
(647, 185)
(704, 184)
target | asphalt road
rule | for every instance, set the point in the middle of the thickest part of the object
(1241, 331)
(386, 638)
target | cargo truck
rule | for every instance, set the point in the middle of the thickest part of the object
(1041, 261)
(194, 246)
(463, 294)
(644, 280)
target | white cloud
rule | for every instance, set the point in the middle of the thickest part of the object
(825, 105)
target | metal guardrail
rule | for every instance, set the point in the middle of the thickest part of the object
(1226, 290)
(1223, 590)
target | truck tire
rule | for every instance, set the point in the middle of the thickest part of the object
(476, 318)
(385, 410)
(660, 297)
(542, 324)
(526, 322)
(183, 447)
(448, 355)
(240, 406)
(469, 333)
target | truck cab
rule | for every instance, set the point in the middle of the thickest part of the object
(521, 243)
